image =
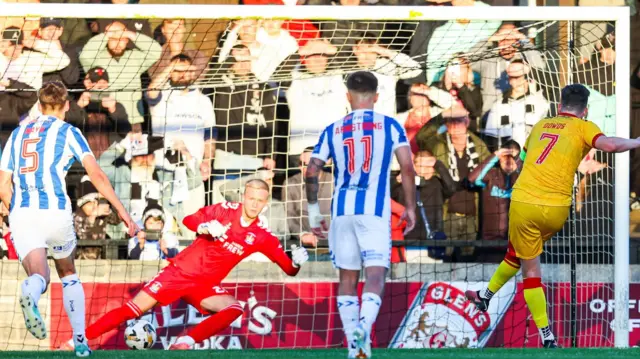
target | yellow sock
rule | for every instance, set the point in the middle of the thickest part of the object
(536, 301)
(503, 273)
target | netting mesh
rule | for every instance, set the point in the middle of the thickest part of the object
(249, 97)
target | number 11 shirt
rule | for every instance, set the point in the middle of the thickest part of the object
(361, 146)
(555, 148)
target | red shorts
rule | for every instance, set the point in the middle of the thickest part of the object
(170, 285)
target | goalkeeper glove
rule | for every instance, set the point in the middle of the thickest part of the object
(214, 228)
(299, 255)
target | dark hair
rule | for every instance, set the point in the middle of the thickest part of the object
(574, 98)
(53, 94)
(182, 58)
(511, 145)
(362, 82)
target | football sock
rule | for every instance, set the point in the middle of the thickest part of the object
(216, 323)
(349, 309)
(505, 271)
(370, 306)
(35, 285)
(537, 303)
(112, 319)
(73, 299)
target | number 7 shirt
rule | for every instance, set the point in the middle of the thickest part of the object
(555, 148)
(361, 146)
(38, 154)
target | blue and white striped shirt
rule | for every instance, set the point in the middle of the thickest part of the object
(38, 154)
(361, 145)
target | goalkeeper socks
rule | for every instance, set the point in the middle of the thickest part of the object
(34, 286)
(537, 303)
(216, 323)
(73, 299)
(370, 306)
(349, 309)
(112, 319)
(505, 271)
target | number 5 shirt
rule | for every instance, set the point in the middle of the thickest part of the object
(361, 146)
(555, 148)
(38, 154)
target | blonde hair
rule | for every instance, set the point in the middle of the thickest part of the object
(257, 184)
(53, 95)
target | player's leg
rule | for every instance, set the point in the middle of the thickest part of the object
(345, 255)
(536, 299)
(374, 240)
(209, 300)
(37, 268)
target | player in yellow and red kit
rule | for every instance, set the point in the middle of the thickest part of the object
(541, 198)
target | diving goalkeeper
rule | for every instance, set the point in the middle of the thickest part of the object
(541, 198)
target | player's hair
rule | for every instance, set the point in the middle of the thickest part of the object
(574, 98)
(511, 145)
(257, 184)
(53, 95)
(362, 82)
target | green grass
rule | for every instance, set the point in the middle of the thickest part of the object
(342, 353)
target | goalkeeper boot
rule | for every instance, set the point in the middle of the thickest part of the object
(81, 346)
(180, 346)
(475, 298)
(32, 318)
(550, 344)
(363, 343)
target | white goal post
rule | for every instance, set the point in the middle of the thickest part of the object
(619, 15)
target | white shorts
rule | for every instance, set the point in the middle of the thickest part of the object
(358, 240)
(39, 228)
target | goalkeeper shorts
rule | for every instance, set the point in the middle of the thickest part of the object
(42, 228)
(530, 225)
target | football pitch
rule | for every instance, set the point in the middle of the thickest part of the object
(341, 353)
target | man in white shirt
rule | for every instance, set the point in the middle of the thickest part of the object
(388, 66)
(25, 65)
(184, 114)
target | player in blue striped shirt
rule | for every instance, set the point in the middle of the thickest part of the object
(33, 167)
(361, 146)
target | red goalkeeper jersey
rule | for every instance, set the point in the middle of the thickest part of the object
(210, 260)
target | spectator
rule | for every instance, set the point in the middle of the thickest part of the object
(173, 35)
(461, 151)
(316, 98)
(182, 113)
(458, 80)
(51, 30)
(139, 169)
(269, 45)
(275, 214)
(110, 51)
(398, 254)
(388, 66)
(245, 114)
(91, 218)
(16, 98)
(434, 185)
(511, 45)
(97, 113)
(521, 107)
(295, 197)
(28, 60)
(153, 242)
(437, 42)
(496, 176)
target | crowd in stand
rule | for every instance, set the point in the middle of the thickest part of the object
(169, 146)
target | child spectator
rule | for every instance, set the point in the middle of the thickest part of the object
(497, 175)
(91, 218)
(154, 242)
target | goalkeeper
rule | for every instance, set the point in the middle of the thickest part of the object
(542, 196)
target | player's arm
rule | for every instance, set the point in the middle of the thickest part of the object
(6, 189)
(7, 166)
(408, 175)
(319, 157)
(615, 144)
(290, 265)
(204, 221)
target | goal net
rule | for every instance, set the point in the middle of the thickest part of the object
(182, 104)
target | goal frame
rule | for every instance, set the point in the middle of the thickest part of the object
(620, 15)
